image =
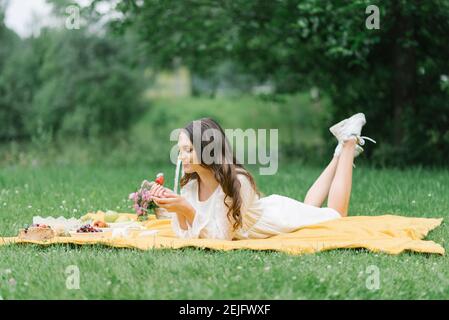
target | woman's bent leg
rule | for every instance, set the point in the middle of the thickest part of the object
(340, 190)
(319, 191)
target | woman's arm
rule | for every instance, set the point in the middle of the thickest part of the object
(178, 204)
(184, 216)
(184, 211)
(186, 222)
(182, 221)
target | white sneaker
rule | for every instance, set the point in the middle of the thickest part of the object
(337, 128)
(340, 130)
(349, 129)
(352, 127)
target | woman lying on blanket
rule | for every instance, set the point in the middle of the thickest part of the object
(221, 201)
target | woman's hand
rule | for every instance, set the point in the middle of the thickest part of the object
(158, 190)
(173, 202)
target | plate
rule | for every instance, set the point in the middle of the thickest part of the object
(124, 224)
(105, 229)
(87, 234)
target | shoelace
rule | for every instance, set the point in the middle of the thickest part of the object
(361, 140)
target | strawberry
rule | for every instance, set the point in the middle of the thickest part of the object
(160, 179)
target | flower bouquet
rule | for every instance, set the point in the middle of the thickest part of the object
(143, 204)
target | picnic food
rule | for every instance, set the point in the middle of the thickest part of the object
(93, 216)
(110, 216)
(87, 228)
(100, 224)
(160, 178)
(87, 217)
(60, 231)
(123, 219)
(36, 232)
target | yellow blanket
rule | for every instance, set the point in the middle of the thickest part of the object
(387, 233)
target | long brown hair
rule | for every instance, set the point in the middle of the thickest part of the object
(225, 170)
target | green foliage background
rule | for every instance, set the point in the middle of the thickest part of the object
(67, 84)
(396, 75)
(90, 85)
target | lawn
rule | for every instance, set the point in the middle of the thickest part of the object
(33, 272)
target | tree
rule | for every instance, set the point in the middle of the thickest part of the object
(9, 114)
(89, 87)
(397, 74)
(68, 82)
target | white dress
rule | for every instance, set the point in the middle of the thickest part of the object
(261, 217)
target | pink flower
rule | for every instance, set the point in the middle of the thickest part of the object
(142, 198)
(146, 195)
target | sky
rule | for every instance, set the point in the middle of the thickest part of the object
(27, 16)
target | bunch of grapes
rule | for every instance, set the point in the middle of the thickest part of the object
(88, 228)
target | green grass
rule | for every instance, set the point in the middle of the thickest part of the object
(28, 272)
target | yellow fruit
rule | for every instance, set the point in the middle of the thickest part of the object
(123, 219)
(89, 216)
(111, 216)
